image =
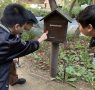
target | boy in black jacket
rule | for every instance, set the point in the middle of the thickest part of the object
(14, 79)
(12, 23)
(86, 19)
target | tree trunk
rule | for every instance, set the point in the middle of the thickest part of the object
(93, 1)
(52, 4)
(72, 5)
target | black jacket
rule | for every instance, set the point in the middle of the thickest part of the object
(92, 42)
(11, 47)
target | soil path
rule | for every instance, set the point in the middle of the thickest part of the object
(41, 80)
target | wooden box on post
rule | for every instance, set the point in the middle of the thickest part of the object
(56, 23)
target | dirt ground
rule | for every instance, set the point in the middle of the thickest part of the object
(41, 80)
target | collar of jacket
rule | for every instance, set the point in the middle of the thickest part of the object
(1, 25)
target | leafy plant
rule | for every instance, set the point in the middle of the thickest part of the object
(77, 62)
(3, 4)
(36, 57)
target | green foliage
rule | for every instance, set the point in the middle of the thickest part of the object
(3, 4)
(29, 35)
(90, 77)
(60, 75)
(36, 11)
(81, 2)
(76, 62)
(75, 7)
(39, 12)
(36, 57)
(74, 12)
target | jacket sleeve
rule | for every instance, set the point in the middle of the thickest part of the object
(92, 42)
(15, 48)
(18, 48)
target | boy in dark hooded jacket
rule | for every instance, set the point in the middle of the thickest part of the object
(11, 46)
(14, 79)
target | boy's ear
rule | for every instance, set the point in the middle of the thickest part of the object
(16, 26)
(90, 27)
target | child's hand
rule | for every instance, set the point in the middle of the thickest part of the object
(43, 37)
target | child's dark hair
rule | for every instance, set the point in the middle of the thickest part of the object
(87, 16)
(14, 14)
(31, 18)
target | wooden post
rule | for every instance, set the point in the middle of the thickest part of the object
(54, 59)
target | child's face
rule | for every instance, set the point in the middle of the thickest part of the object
(88, 31)
(17, 29)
